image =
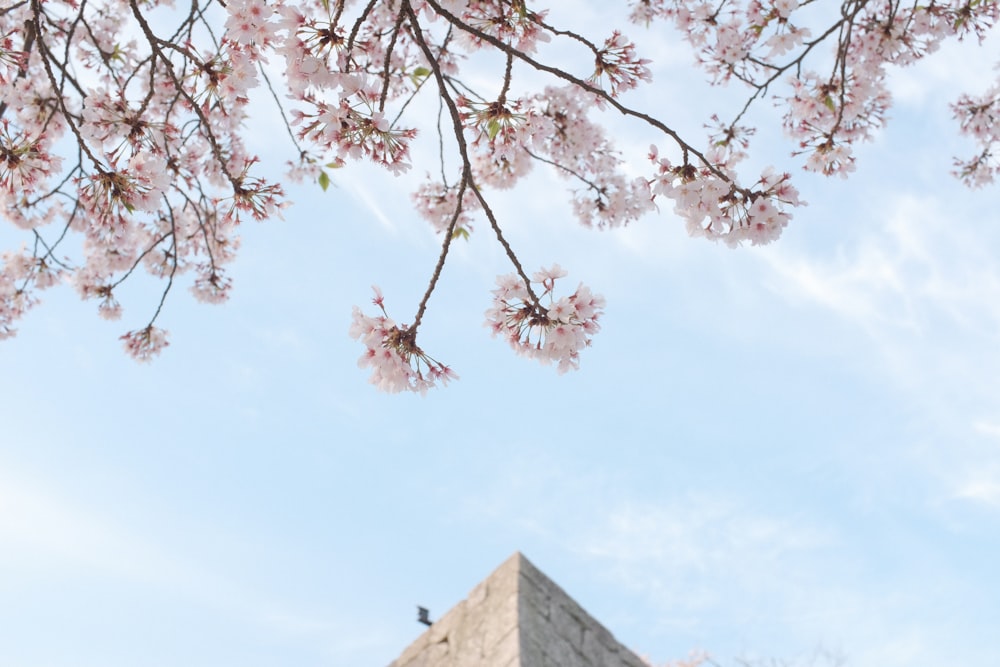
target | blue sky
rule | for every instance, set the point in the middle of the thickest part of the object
(766, 450)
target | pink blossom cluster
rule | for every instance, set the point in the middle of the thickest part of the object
(764, 42)
(604, 197)
(439, 205)
(25, 162)
(355, 127)
(502, 137)
(396, 361)
(18, 271)
(13, 302)
(146, 343)
(555, 332)
(160, 178)
(249, 25)
(12, 60)
(554, 127)
(619, 65)
(512, 23)
(714, 207)
(979, 118)
(341, 79)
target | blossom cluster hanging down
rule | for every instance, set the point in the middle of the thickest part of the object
(555, 332)
(396, 361)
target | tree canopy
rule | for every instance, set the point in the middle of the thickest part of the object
(123, 147)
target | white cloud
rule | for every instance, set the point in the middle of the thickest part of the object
(359, 190)
(675, 550)
(36, 524)
(983, 487)
(739, 580)
(919, 298)
(971, 468)
(987, 428)
(938, 79)
(924, 287)
(46, 534)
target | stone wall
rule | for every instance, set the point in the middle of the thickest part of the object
(517, 617)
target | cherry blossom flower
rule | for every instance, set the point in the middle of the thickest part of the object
(510, 22)
(249, 23)
(24, 163)
(439, 205)
(715, 208)
(604, 196)
(396, 361)
(618, 63)
(15, 298)
(979, 118)
(212, 285)
(556, 332)
(144, 344)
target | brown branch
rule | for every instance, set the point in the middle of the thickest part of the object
(386, 64)
(467, 179)
(44, 52)
(580, 83)
(29, 41)
(154, 44)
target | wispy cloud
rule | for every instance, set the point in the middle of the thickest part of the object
(924, 290)
(37, 524)
(921, 292)
(359, 190)
(47, 534)
(686, 552)
(741, 579)
(911, 270)
(971, 468)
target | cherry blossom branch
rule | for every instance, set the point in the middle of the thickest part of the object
(463, 152)
(157, 174)
(206, 127)
(60, 100)
(581, 84)
(762, 88)
(29, 42)
(387, 60)
(449, 235)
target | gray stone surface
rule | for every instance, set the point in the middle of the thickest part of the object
(517, 617)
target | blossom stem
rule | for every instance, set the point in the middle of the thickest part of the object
(467, 179)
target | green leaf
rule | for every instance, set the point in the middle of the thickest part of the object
(419, 74)
(324, 180)
(334, 165)
(492, 129)
(829, 103)
(460, 232)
